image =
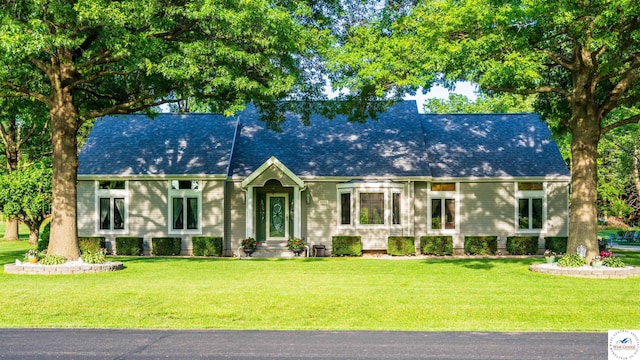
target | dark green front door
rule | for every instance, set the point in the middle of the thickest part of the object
(277, 216)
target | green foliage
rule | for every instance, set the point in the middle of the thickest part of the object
(207, 245)
(346, 245)
(25, 194)
(43, 243)
(50, 259)
(480, 245)
(613, 261)
(295, 243)
(94, 257)
(484, 104)
(166, 245)
(571, 261)
(436, 245)
(401, 245)
(557, 244)
(522, 245)
(129, 245)
(91, 243)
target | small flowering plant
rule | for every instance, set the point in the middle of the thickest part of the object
(296, 243)
(597, 258)
(605, 254)
(249, 243)
(33, 253)
(549, 253)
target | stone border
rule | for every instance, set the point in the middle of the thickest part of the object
(64, 269)
(587, 271)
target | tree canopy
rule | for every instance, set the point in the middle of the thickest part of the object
(581, 58)
(84, 59)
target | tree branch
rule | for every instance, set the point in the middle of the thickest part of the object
(629, 120)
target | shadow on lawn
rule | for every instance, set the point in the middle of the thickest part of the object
(481, 263)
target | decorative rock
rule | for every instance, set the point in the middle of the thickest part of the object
(587, 271)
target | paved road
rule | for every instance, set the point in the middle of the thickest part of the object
(175, 344)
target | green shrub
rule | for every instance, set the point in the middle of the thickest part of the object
(436, 245)
(166, 245)
(207, 245)
(557, 244)
(346, 245)
(401, 245)
(43, 242)
(614, 262)
(571, 261)
(91, 243)
(481, 245)
(52, 260)
(522, 245)
(129, 245)
(93, 257)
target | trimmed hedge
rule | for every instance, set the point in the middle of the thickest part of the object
(481, 245)
(522, 245)
(129, 245)
(346, 245)
(401, 245)
(91, 244)
(207, 245)
(166, 246)
(436, 245)
(557, 244)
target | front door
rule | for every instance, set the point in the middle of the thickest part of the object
(277, 216)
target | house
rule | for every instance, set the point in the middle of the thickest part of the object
(405, 173)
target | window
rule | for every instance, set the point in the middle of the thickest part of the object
(396, 209)
(111, 202)
(185, 206)
(372, 208)
(369, 204)
(531, 206)
(442, 207)
(345, 208)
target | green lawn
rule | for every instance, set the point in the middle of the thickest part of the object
(472, 294)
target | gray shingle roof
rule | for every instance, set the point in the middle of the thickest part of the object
(400, 143)
(491, 145)
(169, 144)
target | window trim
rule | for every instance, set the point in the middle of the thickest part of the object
(357, 188)
(530, 194)
(184, 194)
(443, 195)
(111, 194)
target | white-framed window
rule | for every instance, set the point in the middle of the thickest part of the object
(185, 207)
(370, 204)
(530, 207)
(112, 202)
(443, 207)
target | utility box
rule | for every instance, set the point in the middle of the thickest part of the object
(319, 250)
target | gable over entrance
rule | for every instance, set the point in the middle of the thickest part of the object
(272, 200)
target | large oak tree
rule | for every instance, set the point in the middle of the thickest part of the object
(88, 58)
(582, 58)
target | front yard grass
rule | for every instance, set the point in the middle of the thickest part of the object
(436, 294)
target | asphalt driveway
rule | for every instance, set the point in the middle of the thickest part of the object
(214, 344)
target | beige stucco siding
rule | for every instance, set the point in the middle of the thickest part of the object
(557, 209)
(321, 213)
(487, 208)
(235, 214)
(147, 212)
(86, 208)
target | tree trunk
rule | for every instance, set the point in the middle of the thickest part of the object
(583, 220)
(11, 231)
(64, 125)
(33, 236)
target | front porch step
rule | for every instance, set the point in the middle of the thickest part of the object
(274, 249)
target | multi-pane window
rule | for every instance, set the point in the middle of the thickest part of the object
(530, 206)
(371, 208)
(443, 206)
(111, 201)
(370, 204)
(185, 205)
